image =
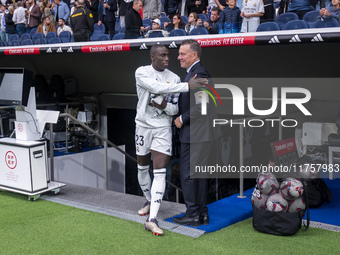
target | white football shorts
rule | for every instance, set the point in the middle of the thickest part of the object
(156, 139)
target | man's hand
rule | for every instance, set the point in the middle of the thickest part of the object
(99, 22)
(178, 122)
(197, 83)
(159, 106)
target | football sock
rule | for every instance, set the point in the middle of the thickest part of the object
(157, 191)
(144, 180)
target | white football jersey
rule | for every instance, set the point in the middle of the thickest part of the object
(252, 7)
(151, 83)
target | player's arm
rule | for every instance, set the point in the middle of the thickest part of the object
(171, 108)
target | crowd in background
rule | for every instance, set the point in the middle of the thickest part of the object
(220, 16)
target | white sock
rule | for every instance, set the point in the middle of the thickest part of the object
(157, 191)
(144, 180)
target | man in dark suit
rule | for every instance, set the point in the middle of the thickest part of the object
(107, 9)
(196, 136)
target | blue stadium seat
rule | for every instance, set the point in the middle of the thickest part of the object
(119, 36)
(285, 17)
(50, 35)
(164, 19)
(104, 37)
(326, 22)
(147, 23)
(3, 43)
(203, 17)
(268, 26)
(311, 17)
(33, 31)
(122, 30)
(296, 24)
(13, 37)
(27, 42)
(54, 40)
(40, 41)
(98, 30)
(199, 31)
(65, 36)
(14, 43)
(25, 36)
(185, 19)
(37, 36)
(155, 34)
(178, 32)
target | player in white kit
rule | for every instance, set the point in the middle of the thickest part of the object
(158, 91)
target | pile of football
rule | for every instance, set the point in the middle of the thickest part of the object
(269, 194)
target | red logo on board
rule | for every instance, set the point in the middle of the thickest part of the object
(11, 160)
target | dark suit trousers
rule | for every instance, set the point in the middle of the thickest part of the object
(194, 190)
(109, 27)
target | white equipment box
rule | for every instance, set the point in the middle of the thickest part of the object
(23, 165)
(316, 133)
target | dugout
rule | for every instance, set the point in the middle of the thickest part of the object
(106, 69)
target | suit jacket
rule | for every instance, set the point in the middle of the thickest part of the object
(196, 127)
(110, 12)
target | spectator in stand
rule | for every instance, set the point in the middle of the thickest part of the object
(198, 6)
(33, 15)
(10, 26)
(133, 22)
(74, 7)
(3, 12)
(213, 24)
(300, 7)
(46, 26)
(230, 19)
(93, 5)
(122, 11)
(107, 16)
(19, 18)
(332, 11)
(211, 4)
(171, 7)
(221, 4)
(82, 23)
(192, 22)
(156, 26)
(60, 10)
(268, 15)
(62, 27)
(47, 10)
(152, 9)
(177, 23)
(251, 12)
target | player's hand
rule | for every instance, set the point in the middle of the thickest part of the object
(195, 83)
(159, 106)
(178, 122)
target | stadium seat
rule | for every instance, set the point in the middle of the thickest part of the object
(40, 41)
(104, 37)
(164, 19)
(326, 22)
(33, 31)
(98, 30)
(13, 43)
(311, 17)
(199, 31)
(296, 24)
(122, 30)
(27, 42)
(185, 19)
(13, 37)
(3, 43)
(285, 17)
(54, 40)
(65, 36)
(94, 37)
(147, 23)
(268, 26)
(178, 32)
(25, 36)
(37, 36)
(118, 36)
(203, 17)
(50, 35)
(155, 34)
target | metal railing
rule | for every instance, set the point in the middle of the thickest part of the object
(106, 143)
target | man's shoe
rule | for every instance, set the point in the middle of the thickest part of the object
(185, 220)
(152, 225)
(145, 209)
(204, 219)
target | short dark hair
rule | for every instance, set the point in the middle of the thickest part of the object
(194, 46)
(155, 47)
(216, 9)
(62, 19)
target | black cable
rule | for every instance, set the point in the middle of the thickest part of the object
(36, 127)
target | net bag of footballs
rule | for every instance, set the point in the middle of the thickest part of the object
(278, 205)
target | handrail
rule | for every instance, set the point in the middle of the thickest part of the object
(106, 141)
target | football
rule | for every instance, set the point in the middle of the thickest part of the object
(297, 205)
(291, 188)
(267, 184)
(258, 199)
(277, 203)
